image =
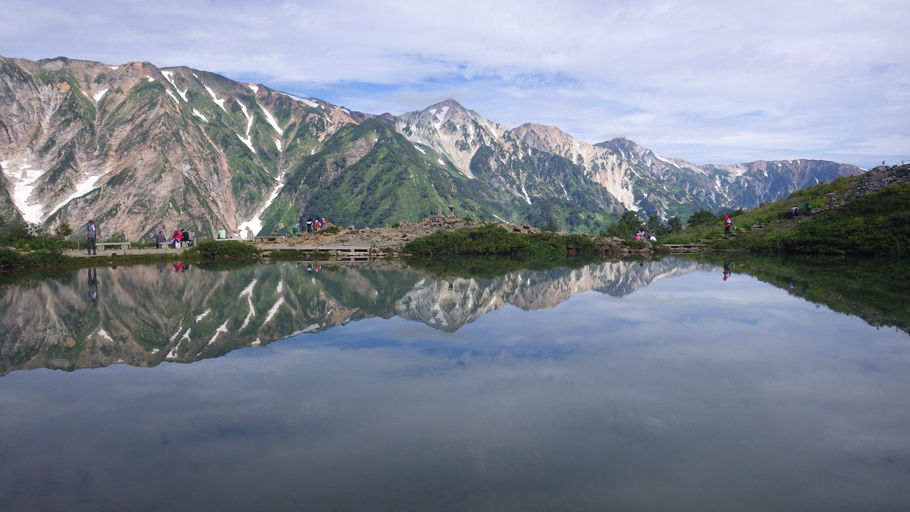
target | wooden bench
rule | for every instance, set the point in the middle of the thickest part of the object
(122, 245)
(230, 240)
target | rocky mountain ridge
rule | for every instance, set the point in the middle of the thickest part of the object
(140, 148)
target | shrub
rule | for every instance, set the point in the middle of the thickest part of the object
(228, 250)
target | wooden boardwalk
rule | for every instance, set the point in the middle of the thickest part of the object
(332, 249)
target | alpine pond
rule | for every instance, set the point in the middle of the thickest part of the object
(671, 384)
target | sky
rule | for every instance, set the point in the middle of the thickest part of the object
(706, 81)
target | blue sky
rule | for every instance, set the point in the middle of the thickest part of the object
(709, 82)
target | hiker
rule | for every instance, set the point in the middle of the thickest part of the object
(175, 239)
(309, 225)
(808, 208)
(652, 238)
(159, 239)
(794, 211)
(185, 238)
(222, 234)
(728, 223)
(91, 237)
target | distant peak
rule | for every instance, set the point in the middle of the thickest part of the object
(618, 142)
(452, 104)
(539, 128)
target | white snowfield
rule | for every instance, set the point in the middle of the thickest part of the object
(23, 181)
(309, 103)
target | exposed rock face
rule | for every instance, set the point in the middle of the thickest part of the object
(451, 130)
(140, 148)
(605, 167)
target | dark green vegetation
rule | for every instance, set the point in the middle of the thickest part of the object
(494, 240)
(228, 250)
(874, 289)
(26, 246)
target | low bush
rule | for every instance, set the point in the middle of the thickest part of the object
(12, 260)
(228, 250)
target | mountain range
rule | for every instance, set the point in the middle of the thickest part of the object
(140, 148)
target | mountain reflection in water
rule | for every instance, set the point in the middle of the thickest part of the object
(143, 315)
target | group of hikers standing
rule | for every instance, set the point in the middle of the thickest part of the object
(311, 224)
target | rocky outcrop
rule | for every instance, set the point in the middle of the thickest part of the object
(881, 177)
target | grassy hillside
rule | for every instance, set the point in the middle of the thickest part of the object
(839, 223)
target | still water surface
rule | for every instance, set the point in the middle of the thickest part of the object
(654, 386)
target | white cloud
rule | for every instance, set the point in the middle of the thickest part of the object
(660, 72)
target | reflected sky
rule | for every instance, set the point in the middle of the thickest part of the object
(689, 394)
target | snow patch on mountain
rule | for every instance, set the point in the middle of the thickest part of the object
(525, 192)
(23, 184)
(254, 225)
(82, 188)
(309, 103)
(272, 121)
(98, 95)
(249, 125)
(170, 78)
(219, 102)
(200, 115)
